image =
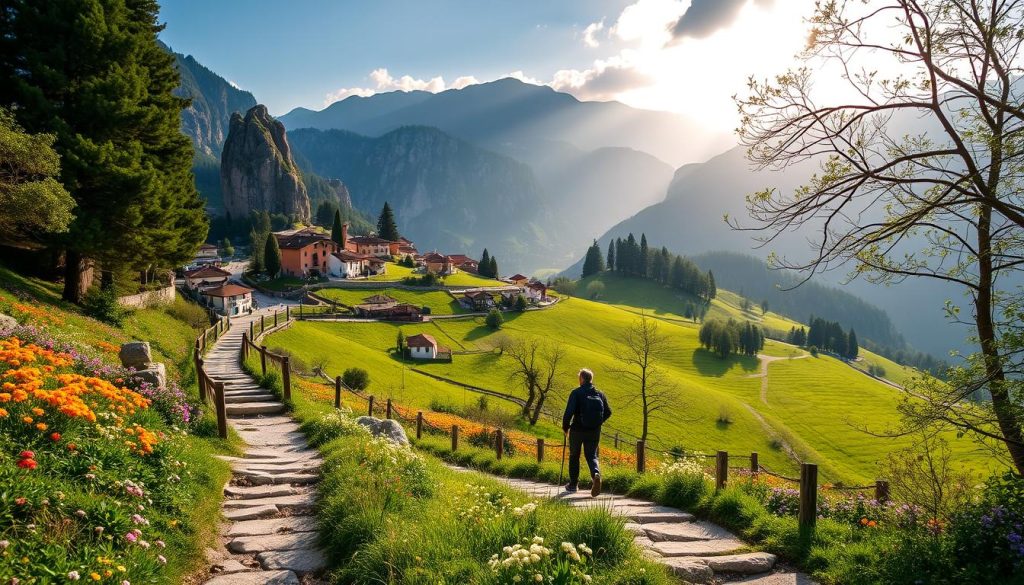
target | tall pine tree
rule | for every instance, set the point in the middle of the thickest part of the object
(485, 265)
(493, 269)
(593, 263)
(386, 226)
(272, 256)
(336, 229)
(644, 262)
(92, 73)
(852, 348)
(611, 254)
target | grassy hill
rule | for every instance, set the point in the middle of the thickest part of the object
(814, 407)
(439, 301)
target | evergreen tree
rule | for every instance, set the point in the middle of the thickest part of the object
(593, 263)
(257, 244)
(712, 290)
(336, 229)
(226, 248)
(271, 257)
(644, 261)
(326, 212)
(493, 270)
(611, 254)
(632, 256)
(521, 303)
(93, 74)
(263, 223)
(400, 343)
(386, 226)
(852, 348)
(484, 268)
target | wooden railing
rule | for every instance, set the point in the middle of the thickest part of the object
(209, 389)
(250, 343)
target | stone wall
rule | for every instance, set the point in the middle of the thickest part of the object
(149, 298)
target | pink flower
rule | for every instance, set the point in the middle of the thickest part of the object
(131, 537)
(162, 559)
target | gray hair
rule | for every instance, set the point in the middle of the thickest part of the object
(586, 375)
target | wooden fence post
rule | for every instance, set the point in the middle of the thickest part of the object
(754, 465)
(263, 359)
(244, 345)
(616, 439)
(287, 313)
(337, 392)
(499, 443)
(263, 323)
(540, 450)
(275, 318)
(370, 409)
(252, 330)
(419, 424)
(808, 495)
(641, 454)
(200, 377)
(222, 410)
(455, 437)
(388, 409)
(881, 490)
(721, 469)
(286, 377)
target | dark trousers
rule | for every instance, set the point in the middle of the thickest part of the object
(587, 442)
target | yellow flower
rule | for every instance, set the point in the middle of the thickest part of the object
(94, 576)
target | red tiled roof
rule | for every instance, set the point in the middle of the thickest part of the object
(518, 277)
(421, 340)
(435, 257)
(207, 271)
(299, 239)
(368, 240)
(228, 290)
(459, 259)
(537, 286)
(208, 247)
(476, 294)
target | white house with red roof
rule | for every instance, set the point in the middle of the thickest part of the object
(230, 299)
(423, 346)
(519, 279)
(206, 276)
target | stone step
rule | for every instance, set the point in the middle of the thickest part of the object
(279, 542)
(256, 578)
(309, 466)
(698, 548)
(743, 564)
(306, 500)
(300, 561)
(264, 478)
(685, 531)
(251, 513)
(776, 579)
(652, 517)
(258, 491)
(256, 408)
(272, 526)
(249, 398)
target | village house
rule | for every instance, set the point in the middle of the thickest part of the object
(229, 300)
(388, 309)
(347, 264)
(518, 280)
(206, 277)
(369, 245)
(206, 254)
(423, 346)
(402, 247)
(479, 300)
(465, 263)
(440, 264)
(536, 291)
(305, 252)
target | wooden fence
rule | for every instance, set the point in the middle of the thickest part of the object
(250, 343)
(209, 389)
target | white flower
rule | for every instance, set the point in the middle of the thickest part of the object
(73, 576)
(534, 558)
(517, 579)
(538, 578)
(538, 540)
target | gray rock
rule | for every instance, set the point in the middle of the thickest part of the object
(690, 570)
(747, 564)
(153, 373)
(272, 526)
(228, 566)
(7, 322)
(389, 429)
(300, 561)
(686, 531)
(263, 543)
(256, 578)
(698, 548)
(135, 354)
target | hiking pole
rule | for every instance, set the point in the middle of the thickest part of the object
(565, 443)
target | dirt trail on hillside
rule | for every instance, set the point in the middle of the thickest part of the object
(765, 360)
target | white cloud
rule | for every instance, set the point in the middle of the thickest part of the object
(590, 34)
(337, 96)
(232, 83)
(607, 79)
(648, 21)
(464, 81)
(384, 81)
(518, 74)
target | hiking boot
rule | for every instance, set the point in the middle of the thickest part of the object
(571, 488)
(595, 490)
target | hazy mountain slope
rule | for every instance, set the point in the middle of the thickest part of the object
(508, 112)
(214, 99)
(690, 221)
(446, 193)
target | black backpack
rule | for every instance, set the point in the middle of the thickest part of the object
(590, 410)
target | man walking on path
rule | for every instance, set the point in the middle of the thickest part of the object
(585, 412)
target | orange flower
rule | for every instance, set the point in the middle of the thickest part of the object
(864, 521)
(26, 419)
(41, 426)
(3, 413)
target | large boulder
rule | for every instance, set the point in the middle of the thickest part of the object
(7, 322)
(135, 354)
(257, 171)
(387, 428)
(153, 373)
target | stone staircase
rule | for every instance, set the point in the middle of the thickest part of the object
(694, 550)
(270, 536)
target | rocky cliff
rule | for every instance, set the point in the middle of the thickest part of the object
(257, 171)
(214, 99)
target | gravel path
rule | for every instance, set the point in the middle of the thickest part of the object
(270, 534)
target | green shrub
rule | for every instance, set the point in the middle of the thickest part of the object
(101, 303)
(683, 491)
(494, 319)
(357, 379)
(188, 312)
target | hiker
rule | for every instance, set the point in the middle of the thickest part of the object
(585, 412)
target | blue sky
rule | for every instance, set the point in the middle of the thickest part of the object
(685, 56)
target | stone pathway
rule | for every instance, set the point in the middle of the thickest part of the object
(694, 550)
(270, 535)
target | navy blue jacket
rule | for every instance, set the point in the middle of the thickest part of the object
(572, 406)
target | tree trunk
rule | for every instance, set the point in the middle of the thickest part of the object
(530, 398)
(537, 408)
(1009, 421)
(78, 273)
